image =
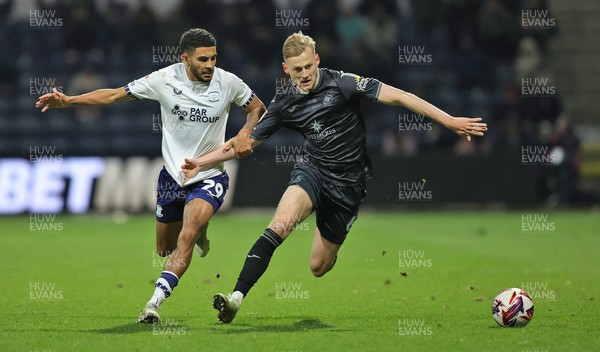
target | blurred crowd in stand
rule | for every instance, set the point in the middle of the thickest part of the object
(477, 54)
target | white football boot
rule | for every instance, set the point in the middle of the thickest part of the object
(227, 305)
(149, 314)
(202, 246)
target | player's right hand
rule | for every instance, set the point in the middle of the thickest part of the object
(190, 168)
(242, 147)
(55, 100)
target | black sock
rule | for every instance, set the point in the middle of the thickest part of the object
(257, 260)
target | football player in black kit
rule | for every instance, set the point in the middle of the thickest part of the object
(323, 105)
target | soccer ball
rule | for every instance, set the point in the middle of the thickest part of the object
(512, 308)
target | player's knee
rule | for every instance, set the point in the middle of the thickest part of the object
(318, 268)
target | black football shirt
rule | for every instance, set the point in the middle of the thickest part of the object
(330, 119)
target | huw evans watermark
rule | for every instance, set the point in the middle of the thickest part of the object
(413, 258)
(286, 155)
(537, 223)
(413, 123)
(537, 87)
(45, 223)
(169, 190)
(44, 291)
(291, 19)
(159, 124)
(538, 291)
(413, 55)
(537, 19)
(160, 262)
(43, 85)
(166, 54)
(44, 19)
(287, 222)
(414, 327)
(414, 191)
(285, 86)
(44, 153)
(168, 327)
(537, 155)
(290, 291)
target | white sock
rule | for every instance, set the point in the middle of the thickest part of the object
(238, 296)
(158, 297)
(159, 292)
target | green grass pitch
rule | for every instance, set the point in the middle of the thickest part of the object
(78, 283)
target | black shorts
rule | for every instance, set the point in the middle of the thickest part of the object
(336, 206)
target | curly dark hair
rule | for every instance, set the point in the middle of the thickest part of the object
(196, 38)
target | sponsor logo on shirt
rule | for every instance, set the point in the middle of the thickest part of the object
(328, 99)
(317, 127)
(200, 115)
(178, 112)
(361, 83)
(176, 91)
(195, 114)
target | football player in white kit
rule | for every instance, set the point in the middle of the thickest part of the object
(195, 97)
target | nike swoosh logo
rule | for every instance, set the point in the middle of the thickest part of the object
(253, 256)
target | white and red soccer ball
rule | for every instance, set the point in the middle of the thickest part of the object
(512, 308)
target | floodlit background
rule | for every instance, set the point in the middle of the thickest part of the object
(446, 224)
(529, 68)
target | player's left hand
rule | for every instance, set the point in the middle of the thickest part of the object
(467, 127)
(190, 168)
(242, 146)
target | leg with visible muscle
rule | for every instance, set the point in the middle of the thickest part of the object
(166, 237)
(323, 254)
(295, 206)
(196, 214)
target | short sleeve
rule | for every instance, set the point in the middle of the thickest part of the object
(269, 123)
(146, 87)
(356, 86)
(241, 94)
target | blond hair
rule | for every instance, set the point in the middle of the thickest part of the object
(296, 43)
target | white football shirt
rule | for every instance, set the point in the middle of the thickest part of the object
(194, 114)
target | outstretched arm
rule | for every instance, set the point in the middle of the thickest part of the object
(59, 100)
(191, 167)
(463, 126)
(242, 143)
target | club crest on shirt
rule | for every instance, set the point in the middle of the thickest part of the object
(214, 96)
